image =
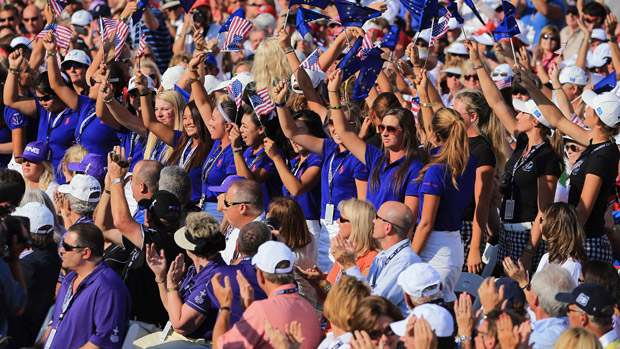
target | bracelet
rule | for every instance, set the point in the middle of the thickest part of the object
(238, 151)
(173, 289)
(160, 281)
(279, 105)
(463, 338)
(336, 107)
(107, 191)
(612, 39)
(192, 70)
(557, 88)
(428, 105)
(333, 91)
(479, 66)
(106, 101)
(193, 80)
(225, 308)
(14, 70)
(143, 94)
(526, 287)
(121, 19)
(50, 54)
(539, 63)
(325, 286)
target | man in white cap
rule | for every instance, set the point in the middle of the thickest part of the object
(421, 284)
(572, 80)
(274, 271)
(81, 198)
(439, 319)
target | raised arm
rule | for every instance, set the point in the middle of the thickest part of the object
(24, 105)
(563, 102)
(335, 49)
(582, 56)
(611, 22)
(37, 57)
(119, 112)
(163, 132)
(105, 89)
(64, 92)
(350, 139)
(295, 186)
(199, 94)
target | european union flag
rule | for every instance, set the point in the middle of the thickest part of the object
(368, 75)
(239, 13)
(351, 63)
(607, 84)
(316, 3)
(391, 38)
(303, 17)
(473, 8)
(422, 13)
(454, 10)
(137, 16)
(187, 4)
(508, 27)
(354, 15)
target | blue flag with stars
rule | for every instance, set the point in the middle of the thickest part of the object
(422, 13)
(368, 75)
(391, 38)
(354, 15)
(239, 13)
(137, 16)
(187, 4)
(322, 4)
(473, 8)
(454, 10)
(351, 63)
(508, 27)
(303, 17)
(607, 84)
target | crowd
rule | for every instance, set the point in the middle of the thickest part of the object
(309, 174)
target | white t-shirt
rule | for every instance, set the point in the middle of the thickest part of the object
(572, 265)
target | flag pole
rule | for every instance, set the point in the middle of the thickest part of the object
(514, 54)
(288, 11)
(429, 45)
(463, 30)
(191, 20)
(139, 48)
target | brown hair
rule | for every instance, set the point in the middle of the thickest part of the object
(564, 234)
(369, 310)
(343, 299)
(294, 231)
(205, 142)
(383, 103)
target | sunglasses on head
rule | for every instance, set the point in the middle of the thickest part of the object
(550, 37)
(390, 129)
(45, 98)
(471, 76)
(572, 147)
(70, 248)
(453, 75)
(376, 334)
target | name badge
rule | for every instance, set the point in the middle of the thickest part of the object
(329, 214)
(510, 209)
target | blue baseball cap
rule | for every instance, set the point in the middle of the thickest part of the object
(36, 152)
(225, 184)
(593, 299)
(92, 164)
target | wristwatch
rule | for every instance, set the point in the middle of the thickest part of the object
(117, 180)
(463, 338)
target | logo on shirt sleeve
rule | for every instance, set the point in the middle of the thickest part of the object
(201, 297)
(17, 119)
(114, 337)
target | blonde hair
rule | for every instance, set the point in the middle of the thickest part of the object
(578, 338)
(342, 301)
(46, 177)
(180, 58)
(270, 65)
(178, 103)
(361, 214)
(145, 63)
(75, 153)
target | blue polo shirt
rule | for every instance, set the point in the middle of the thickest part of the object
(247, 269)
(346, 168)
(219, 165)
(538, 21)
(194, 174)
(5, 137)
(58, 130)
(91, 132)
(311, 200)
(98, 312)
(15, 120)
(272, 188)
(387, 173)
(133, 145)
(197, 292)
(453, 201)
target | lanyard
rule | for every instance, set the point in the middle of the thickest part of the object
(584, 156)
(83, 126)
(529, 155)
(185, 159)
(156, 148)
(332, 173)
(373, 281)
(52, 125)
(206, 169)
(133, 142)
(69, 297)
(297, 167)
(258, 157)
(287, 291)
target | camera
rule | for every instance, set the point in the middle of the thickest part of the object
(506, 186)
(13, 226)
(198, 16)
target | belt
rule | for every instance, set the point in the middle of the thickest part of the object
(518, 226)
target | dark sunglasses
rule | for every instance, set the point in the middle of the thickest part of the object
(390, 129)
(70, 248)
(573, 148)
(519, 91)
(376, 334)
(344, 220)
(153, 76)
(75, 65)
(552, 38)
(45, 98)
(572, 12)
(12, 18)
(589, 20)
(30, 19)
(452, 75)
(471, 76)
(386, 221)
(230, 203)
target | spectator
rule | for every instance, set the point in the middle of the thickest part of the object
(33, 21)
(578, 338)
(98, 311)
(374, 316)
(177, 181)
(421, 285)
(37, 168)
(94, 165)
(81, 198)
(74, 65)
(251, 236)
(220, 191)
(9, 16)
(75, 154)
(487, 336)
(144, 183)
(439, 319)
(38, 195)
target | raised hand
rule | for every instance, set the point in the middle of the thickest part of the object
(490, 297)
(223, 294)
(464, 315)
(245, 290)
(314, 275)
(156, 261)
(280, 91)
(199, 40)
(235, 136)
(424, 337)
(343, 251)
(284, 39)
(198, 58)
(16, 58)
(270, 148)
(130, 8)
(334, 80)
(472, 48)
(516, 272)
(361, 340)
(49, 42)
(176, 271)
(611, 22)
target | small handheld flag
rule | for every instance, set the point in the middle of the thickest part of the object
(142, 5)
(312, 62)
(122, 31)
(351, 63)
(141, 45)
(236, 90)
(473, 8)
(239, 27)
(508, 26)
(261, 102)
(367, 45)
(607, 84)
(62, 33)
(107, 27)
(354, 15)
(440, 29)
(303, 17)
(187, 5)
(368, 75)
(391, 38)
(503, 83)
(322, 4)
(58, 6)
(239, 13)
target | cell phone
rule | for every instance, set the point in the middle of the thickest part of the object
(80, 30)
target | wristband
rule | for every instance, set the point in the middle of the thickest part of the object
(50, 54)
(14, 70)
(279, 105)
(557, 88)
(479, 66)
(428, 105)
(612, 39)
(160, 281)
(173, 289)
(106, 101)
(336, 107)
(107, 191)
(463, 338)
(225, 308)
(143, 94)
(192, 70)
(332, 91)
(238, 151)
(325, 286)
(193, 80)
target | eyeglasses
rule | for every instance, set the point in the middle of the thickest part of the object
(33, 19)
(230, 203)
(494, 74)
(390, 129)
(45, 98)
(573, 148)
(343, 220)
(93, 82)
(471, 76)
(519, 91)
(552, 38)
(452, 75)
(70, 248)
(376, 334)
(386, 221)
(74, 65)
(574, 311)
(124, 60)
(589, 20)
(12, 18)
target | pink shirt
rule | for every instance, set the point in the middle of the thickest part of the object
(280, 309)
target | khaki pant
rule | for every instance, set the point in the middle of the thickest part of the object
(173, 340)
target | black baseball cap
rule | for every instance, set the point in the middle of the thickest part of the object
(164, 205)
(593, 299)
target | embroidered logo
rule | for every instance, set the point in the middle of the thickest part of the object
(582, 299)
(599, 111)
(219, 163)
(528, 166)
(201, 297)
(115, 338)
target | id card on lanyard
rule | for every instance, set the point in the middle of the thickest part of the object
(509, 208)
(329, 207)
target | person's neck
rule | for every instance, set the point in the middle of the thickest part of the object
(83, 271)
(257, 146)
(540, 314)
(73, 217)
(243, 220)
(396, 152)
(534, 138)
(598, 331)
(195, 141)
(341, 147)
(599, 136)
(33, 184)
(389, 241)
(79, 87)
(225, 141)
(338, 331)
(269, 287)
(199, 263)
(472, 132)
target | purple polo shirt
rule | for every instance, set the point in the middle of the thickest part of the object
(247, 269)
(98, 312)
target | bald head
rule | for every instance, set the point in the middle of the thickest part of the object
(32, 19)
(147, 172)
(398, 214)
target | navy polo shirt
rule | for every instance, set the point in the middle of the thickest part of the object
(346, 168)
(91, 132)
(311, 200)
(453, 201)
(387, 173)
(60, 128)
(197, 292)
(133, 145)
(98, 312)
(272, 188)
(218, 168)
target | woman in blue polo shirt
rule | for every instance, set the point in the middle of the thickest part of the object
(343, 178)
(446, 188)
(302, 180)
(90, 132)
(57, 122)
(393, 171)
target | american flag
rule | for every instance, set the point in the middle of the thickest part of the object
(561, 49)
(367, 45)
(107, 27)
(440, 28)
(58, 6)
(236, 90)
(505, 82)
(122, 31)
(312, 62)
(62, 33)
(261, 102)
(141, 45)
(239, 27)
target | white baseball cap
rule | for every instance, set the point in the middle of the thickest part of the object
(171, 76)
(270, 254)
(457, 48)
(595, 61)
(484, 39)
(211, 83)
(573, 75)
(530, 107)
(602, 50)
(453, 23)
(41, 218)
(315, 76)
(132, 84)
(20, 40)
(606, 106)
(501, 71)
(598, 34)
(81, 18)
(438, 317)
(78, 56)
(83, 187)
(420, 280)
(452, 70)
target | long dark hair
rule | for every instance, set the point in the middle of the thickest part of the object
(294, 231)
(204, 142)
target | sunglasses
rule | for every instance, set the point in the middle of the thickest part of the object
(344, 220)
(376, 334)
(230, 203)
(471, 76)
(494, 74)
(124, 60)
(573, 148)
(552, 38)
(70, 248)
(587, 20)
(519, 91)
(33, 19)
(45, 98)
(12, 18)
(75, 65)
(452, 75)
(390, 129)
(573, 13)
(386, 221)
(350, 122)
